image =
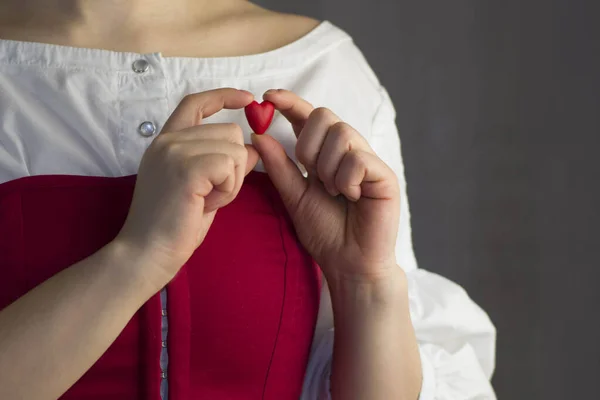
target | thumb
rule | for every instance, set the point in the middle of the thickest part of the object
(284, 174)
(252, 159)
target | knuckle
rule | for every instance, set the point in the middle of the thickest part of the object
(236, 131)
(342, 132)
(356, 159)
(320, 113)
(187, 99)
(193, 102)
(239, 152)
(225, 161)
(172, 150)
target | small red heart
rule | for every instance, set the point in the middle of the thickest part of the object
(260, 115)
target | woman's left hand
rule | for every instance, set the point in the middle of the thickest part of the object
(346, 215)
(346, 212)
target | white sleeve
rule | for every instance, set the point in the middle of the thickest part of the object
(456, 337)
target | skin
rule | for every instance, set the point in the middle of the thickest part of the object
(187, 28)
(345, 213)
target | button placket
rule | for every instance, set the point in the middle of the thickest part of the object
(143, 106)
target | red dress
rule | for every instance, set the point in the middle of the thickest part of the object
(241, 312)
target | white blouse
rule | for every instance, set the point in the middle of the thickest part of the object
(77, 111)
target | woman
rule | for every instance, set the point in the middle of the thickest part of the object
(114, 286)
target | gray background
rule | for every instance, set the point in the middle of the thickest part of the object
(498, 108)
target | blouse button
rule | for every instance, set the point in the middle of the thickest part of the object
(163, 343)
(163, 312)
(140, 66)
(147, 129)
(163, 375)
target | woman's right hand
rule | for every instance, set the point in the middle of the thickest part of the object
(187, 173)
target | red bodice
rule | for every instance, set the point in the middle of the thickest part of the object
(241, 312)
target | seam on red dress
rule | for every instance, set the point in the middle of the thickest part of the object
(285, 271)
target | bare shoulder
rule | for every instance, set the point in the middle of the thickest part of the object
(242, 29)
(270, 30)
(290, 26)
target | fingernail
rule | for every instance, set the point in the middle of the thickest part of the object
(245, 91)
(302, 169)
(271, 91)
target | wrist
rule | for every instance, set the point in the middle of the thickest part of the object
(373, 329)
(386, 292)
(132, 266)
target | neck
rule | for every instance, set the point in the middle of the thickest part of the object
(80, 20)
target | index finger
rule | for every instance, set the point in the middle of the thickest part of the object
(194, 107)
(293, 107)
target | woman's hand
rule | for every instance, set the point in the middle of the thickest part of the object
(346, 212)
(346, 215)
(187, 173)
